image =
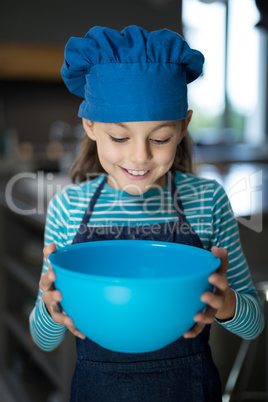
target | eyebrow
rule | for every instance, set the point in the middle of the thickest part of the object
(165, 124)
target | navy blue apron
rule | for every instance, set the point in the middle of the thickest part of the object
(182, 371)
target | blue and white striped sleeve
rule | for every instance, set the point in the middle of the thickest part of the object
(248, 321)
(46, 333)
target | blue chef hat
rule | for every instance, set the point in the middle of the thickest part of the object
(131, 75)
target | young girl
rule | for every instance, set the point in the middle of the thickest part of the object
(135, 180)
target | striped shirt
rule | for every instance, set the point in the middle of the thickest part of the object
(207, 209)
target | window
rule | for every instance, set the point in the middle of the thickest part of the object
(227, 99)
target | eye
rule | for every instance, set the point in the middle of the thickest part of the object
(161, 142)
(119, 140)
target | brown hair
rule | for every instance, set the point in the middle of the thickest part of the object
(87, 161)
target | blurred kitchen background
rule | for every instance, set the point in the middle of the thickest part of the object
(40, 134)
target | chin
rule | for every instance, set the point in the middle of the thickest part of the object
(134, 189)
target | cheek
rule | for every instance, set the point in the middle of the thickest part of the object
(109, 153)
(166, 156)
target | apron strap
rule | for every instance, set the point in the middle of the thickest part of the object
(93, 201)
(192, 236)
(175, 197)
(172, 188)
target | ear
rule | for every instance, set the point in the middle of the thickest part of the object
(186, 123)
(88, 127)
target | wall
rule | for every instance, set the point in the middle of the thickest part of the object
(31, 107)
(56, 21)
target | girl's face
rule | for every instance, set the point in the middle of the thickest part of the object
(137, 155)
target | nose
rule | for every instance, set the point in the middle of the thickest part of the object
(140, 152)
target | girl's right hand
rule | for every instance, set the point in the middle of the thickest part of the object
(52, 297)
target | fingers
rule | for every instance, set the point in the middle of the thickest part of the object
(58, 315)
(213, 300)
(53, 297)
(220, 281)
(47, 281)
(201, 319)
(194, 331)
(51, 300)
(71, 327)
(216, 300)
(50, 294)
(221, 253)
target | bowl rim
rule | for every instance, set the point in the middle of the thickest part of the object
(120, 279)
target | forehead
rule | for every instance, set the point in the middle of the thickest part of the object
(142, 125)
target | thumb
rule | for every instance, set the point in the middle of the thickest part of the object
(51, 248)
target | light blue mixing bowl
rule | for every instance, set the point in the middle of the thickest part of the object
(132, 296)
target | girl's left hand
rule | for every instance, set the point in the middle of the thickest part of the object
(221, 303)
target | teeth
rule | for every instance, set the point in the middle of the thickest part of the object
(137, 172)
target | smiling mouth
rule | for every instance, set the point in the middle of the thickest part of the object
(137, 172)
